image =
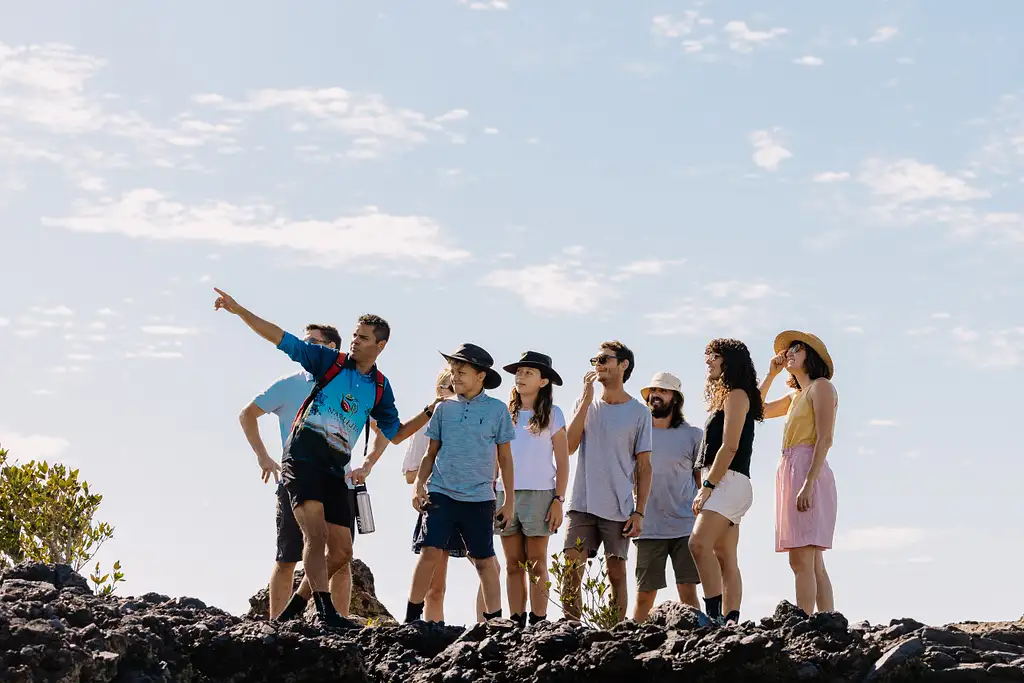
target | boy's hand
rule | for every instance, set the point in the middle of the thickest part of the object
(504, 514)
(420, 499)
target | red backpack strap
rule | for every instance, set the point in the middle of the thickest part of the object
(380, 388)
(331, 373)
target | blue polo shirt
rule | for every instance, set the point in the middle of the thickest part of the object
(469, 432)
(340, 411)
(283, 398)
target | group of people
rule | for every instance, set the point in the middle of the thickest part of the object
(483, 468)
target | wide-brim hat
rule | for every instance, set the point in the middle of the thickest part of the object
(478, 358)
(535, 359)
(663, 380)
(785, 339)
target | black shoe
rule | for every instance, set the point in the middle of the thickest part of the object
(295, 608)
(338, 622)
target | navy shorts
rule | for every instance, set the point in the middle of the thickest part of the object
(456, 546)
(446, 517)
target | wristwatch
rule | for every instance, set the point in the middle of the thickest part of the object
(429, 409)
(708, 484)
(560, 499)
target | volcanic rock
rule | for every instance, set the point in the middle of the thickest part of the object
(364, 605)
(51, 629)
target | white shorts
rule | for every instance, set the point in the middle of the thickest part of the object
(732, 497)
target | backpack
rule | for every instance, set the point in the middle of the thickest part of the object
(331, 373)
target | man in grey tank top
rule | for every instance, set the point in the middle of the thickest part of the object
(613, 434)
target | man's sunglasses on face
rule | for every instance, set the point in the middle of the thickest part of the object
(602, 359)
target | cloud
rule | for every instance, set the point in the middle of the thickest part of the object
(884, 34)
(880, 538)
(490, 131)
(735, 315)
(26, 447)
(831, 177)
(876, 422)
(996, 349)
(743, 39)
(56, 311)
(768, 152)
(552, 288)
(4, 322)
(167, 330)
(374, 126)
(808, 60)
(358, 240)
(643, 268)
(485, 5)
(154, 354)
(909, 180)
(668, 26)
(853, 329)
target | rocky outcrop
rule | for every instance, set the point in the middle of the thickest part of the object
(364, 605)
(52, 628)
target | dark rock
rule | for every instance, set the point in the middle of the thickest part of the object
(51, 630)
(364, 603)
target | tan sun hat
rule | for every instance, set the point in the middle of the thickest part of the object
(785, 339)
(663, 380)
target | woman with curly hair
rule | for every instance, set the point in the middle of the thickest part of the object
(734, 401)
(805, 488)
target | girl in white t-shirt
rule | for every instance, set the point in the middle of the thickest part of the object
(540, 454)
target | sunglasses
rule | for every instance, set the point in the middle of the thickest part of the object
(602, 359)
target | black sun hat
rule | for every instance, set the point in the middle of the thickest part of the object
(535, 359)
(478, 358)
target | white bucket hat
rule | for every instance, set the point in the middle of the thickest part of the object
(663, 380)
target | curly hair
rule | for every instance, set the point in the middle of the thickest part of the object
(541, 417)
(737, 373)
(814, 365)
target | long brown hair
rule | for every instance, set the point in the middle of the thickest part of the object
(541, 417)
(737, 373)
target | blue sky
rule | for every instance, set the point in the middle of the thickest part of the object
(520, 175)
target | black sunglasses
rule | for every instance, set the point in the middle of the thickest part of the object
(602, 359)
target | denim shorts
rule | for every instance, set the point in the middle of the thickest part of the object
(445, 517)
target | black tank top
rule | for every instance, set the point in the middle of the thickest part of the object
(713, 431)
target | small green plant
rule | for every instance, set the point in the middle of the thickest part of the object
(372, 622)
(46, 515)
(105, 584)
(591, 602)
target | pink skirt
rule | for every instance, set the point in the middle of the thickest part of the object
(814, 527)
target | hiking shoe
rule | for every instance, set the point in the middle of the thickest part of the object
(336, 621)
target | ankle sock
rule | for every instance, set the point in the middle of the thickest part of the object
(520, 619)
(536, 618)
(295, 608)
(713, 606)
(492, 615)
(324, 607)
(414, 611)
(733, 616)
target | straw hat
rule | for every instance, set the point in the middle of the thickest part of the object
(785, 339)
(663, 380)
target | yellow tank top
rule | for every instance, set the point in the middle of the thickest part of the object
(799, 428)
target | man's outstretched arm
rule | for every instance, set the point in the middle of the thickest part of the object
(268, 330)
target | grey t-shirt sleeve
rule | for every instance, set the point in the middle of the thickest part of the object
(645, 433)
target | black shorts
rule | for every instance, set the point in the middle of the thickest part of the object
(446, 518)
(289, 535)
(308, 481)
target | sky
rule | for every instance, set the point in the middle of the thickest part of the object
(521, 175)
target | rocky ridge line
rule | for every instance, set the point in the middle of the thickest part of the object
(53, 628)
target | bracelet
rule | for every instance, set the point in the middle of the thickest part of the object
(637, 512)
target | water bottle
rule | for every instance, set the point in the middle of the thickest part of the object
(364, 511)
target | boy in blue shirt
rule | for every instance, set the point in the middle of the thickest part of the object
(466, 434)
(319, 445)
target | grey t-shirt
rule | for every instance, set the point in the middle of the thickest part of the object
(669, 512)
(613, 435)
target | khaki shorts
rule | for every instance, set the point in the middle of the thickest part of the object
(651, 555)
(531, 507)
(594, 531)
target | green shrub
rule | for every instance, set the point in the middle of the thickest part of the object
(46, 515)
(594, 596)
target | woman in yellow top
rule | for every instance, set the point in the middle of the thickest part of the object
(805, 489)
